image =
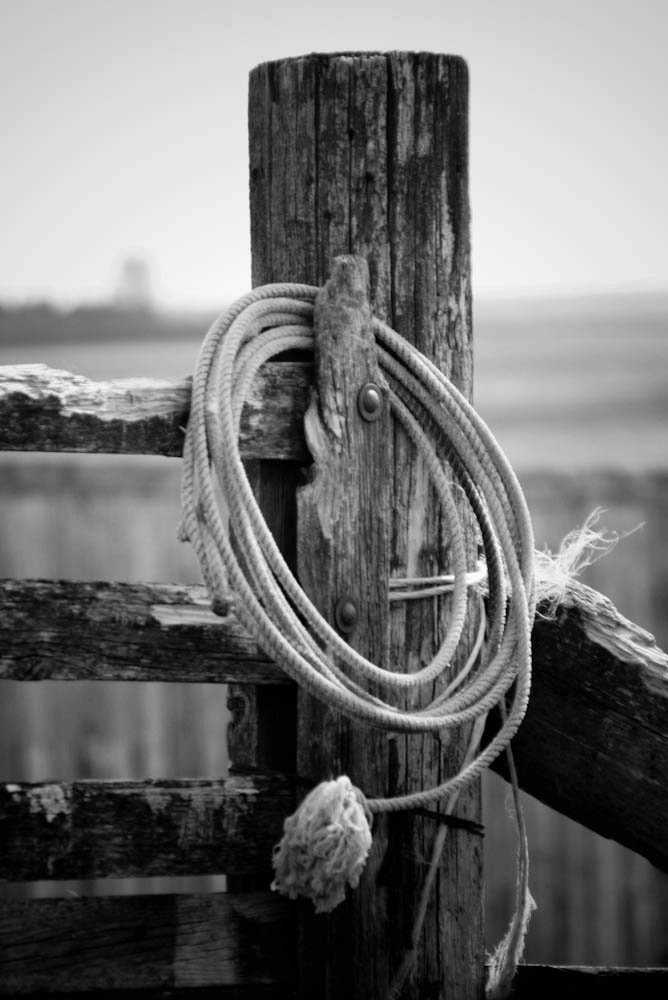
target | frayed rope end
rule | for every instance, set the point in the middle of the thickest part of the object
(507, 956)
(579, 549)
(325, 845)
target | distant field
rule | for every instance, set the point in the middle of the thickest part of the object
(576, 386)
(571, 384)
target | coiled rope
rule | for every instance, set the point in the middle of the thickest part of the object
(268, 600)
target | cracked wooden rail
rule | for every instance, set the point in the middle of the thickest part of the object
(594, 742)
(46, 409)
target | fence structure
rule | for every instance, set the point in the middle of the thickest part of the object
(597, 902)
(350, 152)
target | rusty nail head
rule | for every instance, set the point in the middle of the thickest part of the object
(370, 401)
(345, 615)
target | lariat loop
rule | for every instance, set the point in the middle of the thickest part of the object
(326, 842)
(442, 426)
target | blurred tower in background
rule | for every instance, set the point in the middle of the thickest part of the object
(134, 285)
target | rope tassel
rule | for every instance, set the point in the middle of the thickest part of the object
(325, 845)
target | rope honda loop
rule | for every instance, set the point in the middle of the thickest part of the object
(269, 602)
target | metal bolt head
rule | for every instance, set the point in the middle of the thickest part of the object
(370, 401)
(345, 615)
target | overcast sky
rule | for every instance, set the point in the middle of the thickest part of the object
(124, 126)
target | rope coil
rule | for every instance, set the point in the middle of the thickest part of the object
(268, 600)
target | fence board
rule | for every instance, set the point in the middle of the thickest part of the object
(93, 829)
(145, 943)
(176, 730)
(594, 743)
(590, 983)
(45, 409)
(64, 630)
(600, 689)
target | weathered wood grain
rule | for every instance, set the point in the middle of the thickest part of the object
(58, 946)
(91, 829)
(366, 153)
(429, 237)
(344, 528)
(45, 409)
(594, 742)
(66, 630)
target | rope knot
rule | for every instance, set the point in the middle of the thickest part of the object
(325, 845)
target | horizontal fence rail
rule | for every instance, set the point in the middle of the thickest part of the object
(184, 946)
(44, 409)
(96, 829)
(594, 741)
(65, 630)
(170, 943)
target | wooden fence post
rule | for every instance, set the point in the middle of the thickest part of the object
(367, 154)
(344, 534)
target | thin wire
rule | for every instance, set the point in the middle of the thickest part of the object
(419, 587)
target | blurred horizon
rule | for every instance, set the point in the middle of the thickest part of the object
(595, 298)
(565, 383)
(126, 134)
(133, 291)
(602, 301)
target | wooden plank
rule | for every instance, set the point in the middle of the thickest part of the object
(594, 742)
(65, 630)
(593, 746)
(367, 153)
(91, 829)
(255, 991)
(123, 943)
(589, 983)
(344, 519)
(45, 409)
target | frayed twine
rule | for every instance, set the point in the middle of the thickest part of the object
(580, 548)
(325, 845)
(507, 955)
